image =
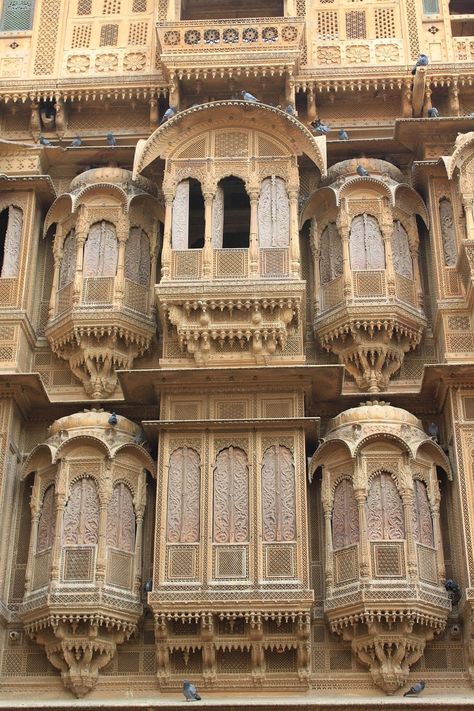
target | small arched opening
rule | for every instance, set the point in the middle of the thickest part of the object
(236, 213)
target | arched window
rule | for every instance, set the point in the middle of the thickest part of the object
(137, 257)
(121, 520)
(231, 496)
(101, 250)
(187, 230)
(11, 225)
(422, 521)
(448, 232)
(273, 213)
(331, 254)
(17, 15)
(278, 494)
(68, 262)
(345, 516)
(385, 519)
(183, 496)
(402, 261)
(235, 223)
(81, 516)
(46, 522)
(366, 243)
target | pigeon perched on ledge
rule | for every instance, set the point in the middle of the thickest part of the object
(362, 171)
(343, 135)
(169, 113)
(111, 140)
(190, 691)
(44, 141)
(247, 96)
(433, 112)
(76, 142)
(320, 127)
(416, 689)
(113, 419)
(422, 61)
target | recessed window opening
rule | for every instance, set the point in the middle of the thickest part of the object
(3, 235)
(461, 7)
(236, 214)
(196, 215)
(223, 9)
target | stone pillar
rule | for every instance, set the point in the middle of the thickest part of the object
(58, 255)
(60, 500)
(316, 254)
(311, 105)
(119, 291)
(344, 230)
(364, 543)
(453, 98)
(387, 229)
(437, 536)
(412, 563)
(254, 195)
(207, 253)
(467, 202)
(166, 251)
(295, 258)
(427, 102)
(35, 514)
(137, 561)
(416, 273)
(81, 237)
(329, 573)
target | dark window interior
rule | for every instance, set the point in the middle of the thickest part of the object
(461, 7)
(236, 214)
(3, 234)
(220, 9)
(196, 215)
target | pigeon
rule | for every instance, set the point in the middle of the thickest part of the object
(44, 141)
(113, 419)
(290, 110)
(452, 586)
(111, 140)
(422, 61)
(362, 171)
(343, 135)
(415, 689)
(76, 142)
(148, 585)
(320, 127)
(169, 113)
(190, 691)
(433, 112)
(247, 96)
(433, 431)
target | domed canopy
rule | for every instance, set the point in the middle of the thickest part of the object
(88, 420)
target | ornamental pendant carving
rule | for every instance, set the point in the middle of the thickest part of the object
(101, 250)
(68, 262)
(183, 496)
(331, 254)
(385, 519)
(273, 213)
(345, 516)
(422, 521)
(11, 257)
(278, 494)
(231, 497)
(46, 522)
(448, 232)
(366, 243)
(81, 517)
(137, 257)
(121, 520)
(180, 225)
(402, 261)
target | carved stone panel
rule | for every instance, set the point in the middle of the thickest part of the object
(402, 261)
(331, 253)
(345, 516)
(121, 520)
(180, 224)
(273, 213)
(231, 496)
(422, 521)
(46, 522)
(183, 496)
(385, 519)
(68, 262)
(81, 517)
(218, 219)
(137, 257)
(278, 494)
(366, 243)
(11, 256)
(101, 250)
(448, 232)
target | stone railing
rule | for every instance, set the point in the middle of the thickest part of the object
(8, 292)
(405, 289)
(369, 283)
(332, 293)
(183, 39)
(187, 264)
(98, 290)
(136, 296)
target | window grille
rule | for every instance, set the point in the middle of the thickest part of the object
(430, 7)
(17, 15)
(108, 35)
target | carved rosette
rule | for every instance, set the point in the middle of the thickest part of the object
(101, 308)
(384, 572)
(83, 579)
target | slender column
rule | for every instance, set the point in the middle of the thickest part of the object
(344, 230)
(295, 257)
(35, 514)
(468, 210)
(58, 255)
(80, 240)
(453, 97)
(207, 253)
(137, 561)
(102, 542)
(416, 271)
(407, 106)
(437, 536)
(119, 291)
(364, 544)
(427, 105)
(60, 500)
(253, 238)
(311, 105)
(387, 229)
(316, 254)
(166, 251)
(412, 563)
(328, 546)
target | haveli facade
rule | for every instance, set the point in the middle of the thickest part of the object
(236, 376)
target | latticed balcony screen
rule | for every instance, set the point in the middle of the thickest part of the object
(17, 15)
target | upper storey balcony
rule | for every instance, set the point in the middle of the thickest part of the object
(231, 288)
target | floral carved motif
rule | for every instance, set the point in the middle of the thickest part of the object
(231, 496)
(137, 257)
(273, 213)
(101, 250)
(81, 517)
(78, 64)
(11, 257)
(46, 522)
(331, 253)
(218, 218)
(385, 519)
(183, 496)
(422, 522)
(448, 232)
(121, 520)
(180, 226)
(134, 62)
(366, 243)
(402, 262)
(106, 63)
(345, 516)
(278, 494)
(68, 262)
